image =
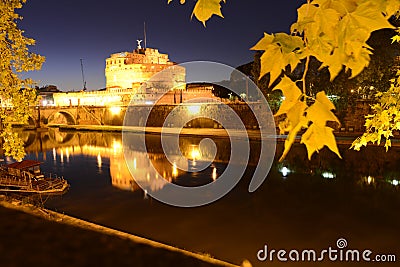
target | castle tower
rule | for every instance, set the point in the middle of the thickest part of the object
(129, 70)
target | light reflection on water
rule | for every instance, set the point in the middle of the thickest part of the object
(302, 204)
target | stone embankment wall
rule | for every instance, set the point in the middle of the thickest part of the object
(352, 120)
(206, 115)
(198, 115)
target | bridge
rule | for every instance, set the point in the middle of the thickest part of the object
(53, 138)
(77, 115)
(100, 115)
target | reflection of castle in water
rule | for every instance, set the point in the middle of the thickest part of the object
(152, 170)
(124, 178)
(144, 166)
(370, 171)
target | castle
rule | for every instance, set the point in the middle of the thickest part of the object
(144, 76)
(130, 70)
(141, 76)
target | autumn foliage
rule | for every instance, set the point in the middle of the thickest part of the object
(335, 32)
(15, 92)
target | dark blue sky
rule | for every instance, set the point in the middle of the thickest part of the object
(68, 30)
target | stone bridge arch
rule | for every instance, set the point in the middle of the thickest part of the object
(35, 141)
(28, 137)
(31, 122)
(61, 117)
(57, 137)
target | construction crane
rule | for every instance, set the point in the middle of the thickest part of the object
(83, 76)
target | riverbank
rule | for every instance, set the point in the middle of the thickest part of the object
(344, 138)
(208, 132)
(33, 236)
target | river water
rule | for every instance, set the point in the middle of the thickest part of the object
(302, 204)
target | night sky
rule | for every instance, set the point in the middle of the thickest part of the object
(68, 30)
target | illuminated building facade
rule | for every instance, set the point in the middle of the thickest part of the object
(144, 76)
(92, 98)
(133, 69)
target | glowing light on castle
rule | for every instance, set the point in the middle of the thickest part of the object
(128, 77)
(143, 77)
(130, 70)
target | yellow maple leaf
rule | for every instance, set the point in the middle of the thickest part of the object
(321, 47)
(326, 20)
(342, 6)
(292, 136)
(316, 137)
(323, 98)
(294, 109)
(357, 64)
(351, 48)
(290, 92)
(205, 9)
(305, 15)
(288, 43)
(294, 121)
(181, 1)
(272, 62)
(263, 44)
(289, 89)
(368, 16)
(295, 115)
(391, 7)
(320, 112)
(280, 50)
(396, 38)
(334, 63)
(292, 59)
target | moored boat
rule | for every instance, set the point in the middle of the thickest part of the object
(26, 177)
